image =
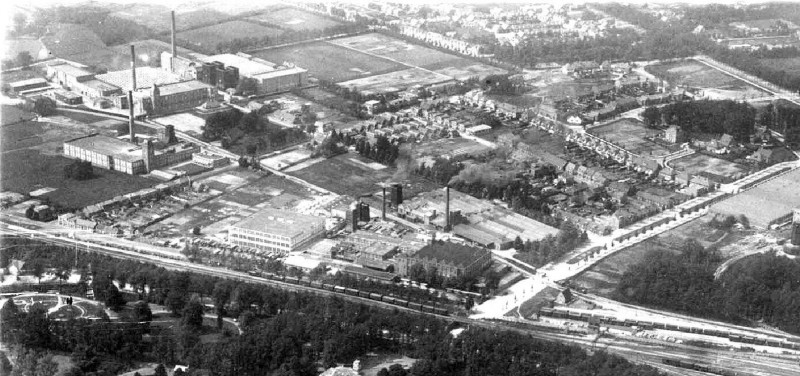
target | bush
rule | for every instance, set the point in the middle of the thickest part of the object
(79, 170)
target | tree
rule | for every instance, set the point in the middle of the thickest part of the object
(161, 370)
(44, 106)
(19, 22)
(142, 312)
(246, 86)
(79, 170)
(114, 299)
(651, 116)
(244, 162)
(416, 272)
(193, 314)
(518, 244)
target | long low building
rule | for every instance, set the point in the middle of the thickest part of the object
(766, 204)
(117, 155)
(276, 230)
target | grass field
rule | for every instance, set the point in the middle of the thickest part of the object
(395, 81)
(349, 174)
(462, 72)
(331, 62)
(630, 134)
(695, 74)
(697, 163)
(24, 171)
(208, 37)
(295, 19)
(157, 17)
(400, 50)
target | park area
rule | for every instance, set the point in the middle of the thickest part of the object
(295, 19)
(57, 307)
(209, 37)
(633, 136)
(352, 175)
(330, 62)
(697, 163)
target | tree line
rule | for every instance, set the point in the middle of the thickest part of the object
(706, 116)
(292, 334)
(758, 288)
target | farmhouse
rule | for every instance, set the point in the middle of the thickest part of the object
(276, 230)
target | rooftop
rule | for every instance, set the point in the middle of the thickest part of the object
(247, 67)
(72, 70)
(145, 78)
(280, 73)
(100, 85)
(109, 146)
(180, 87)
(458, 254)
(30, 81)
(280, 222)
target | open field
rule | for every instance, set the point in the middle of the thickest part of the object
(148, 52)
(697, 163)
(397, 49)
(695, 74)
(395, 81)
(157, 17)
(330, 62)
(449, 147)
(350, 174)
(463, 69)
(766, 203)
(23, 171)
(208, 37)
(295, 19)
(603, 277)
(13, 114)
(631, 134)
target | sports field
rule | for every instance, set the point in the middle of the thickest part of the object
(208, 37)
(295, 19)
(330, 62)
(696, 163)
(400, 50)
(631, 134)
(395, 81)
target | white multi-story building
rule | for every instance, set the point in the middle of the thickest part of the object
(276, 230)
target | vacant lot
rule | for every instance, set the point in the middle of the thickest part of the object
(209, 37)
(24, 171)
(352, 175)
(631, 134)
(331, 62)
(393, 82)
(296, 19)
(400, 50)
(697, 163)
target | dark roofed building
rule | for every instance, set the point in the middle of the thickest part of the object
(449, 259)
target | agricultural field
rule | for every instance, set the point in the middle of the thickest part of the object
(696, 163)
(352, 175)
(157, 17)
(23, 171)
(396, 49)
(695, 74)
(331, 62)
(295, 19)
(210, 36)
(632, 135)
(395, 81)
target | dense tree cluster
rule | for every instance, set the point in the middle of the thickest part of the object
(762, 287)
(79, 170)
(783, 117)
(715, 117)
(384, 151)
(551, 248)
(251, 130)
(44, 106)
(285, 333)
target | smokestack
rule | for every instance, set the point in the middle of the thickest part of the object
(447, 208)
(133, 68)
(174, 50)
(130, 118)
(383, 212)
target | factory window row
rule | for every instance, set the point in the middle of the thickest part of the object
(259, 240)
(248, 244)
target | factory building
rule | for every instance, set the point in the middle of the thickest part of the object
(270, 77)
(81, 81)
(450, 259)
(276, 230)
(117, 155)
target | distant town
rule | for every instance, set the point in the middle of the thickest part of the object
(400, 189)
